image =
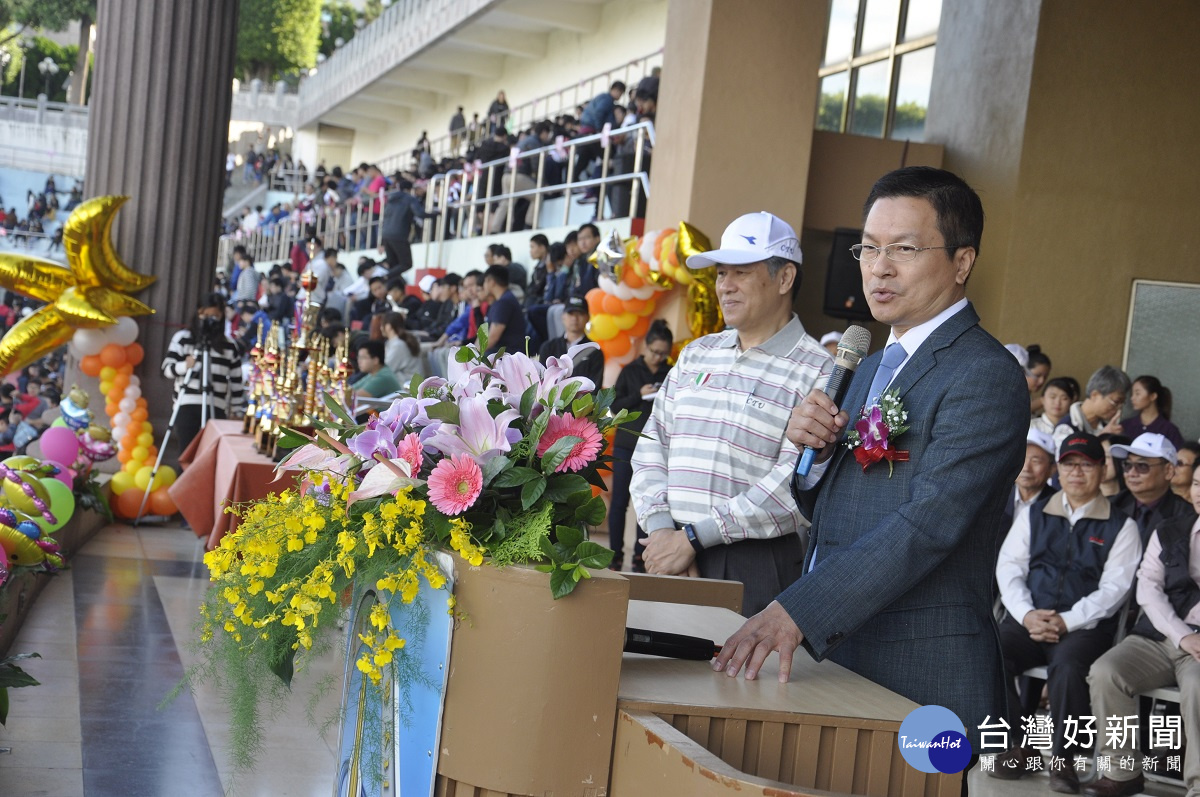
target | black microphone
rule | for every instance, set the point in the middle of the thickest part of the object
(851, 350)
(672, 646)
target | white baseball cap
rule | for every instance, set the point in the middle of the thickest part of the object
(831, 337)
(751, 239)
(1020, 352)
(1150, 445)
(426, 283)
(1037, 437)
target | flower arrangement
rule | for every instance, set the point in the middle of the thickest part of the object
(498, 460)
(871, 438)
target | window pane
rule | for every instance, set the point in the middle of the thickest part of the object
(912, 94)
(833, 100)
(843, 18)
(879, 25)
(870, 100)
(923, 18)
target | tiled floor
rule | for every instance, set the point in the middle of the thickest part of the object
(114, 635)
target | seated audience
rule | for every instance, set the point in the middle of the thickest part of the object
(1114, 477)
(1163, 649)
(1064, 571)
(505, 316)
(1057, 397)
(1097, 413)
(1033, 482)
(1151, 402)
(402, 351)
(588, 364)
(1185, 469)
(377, 380)
(1149, 465)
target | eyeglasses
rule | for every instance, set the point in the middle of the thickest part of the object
(1114, 402)
(1082, 465)
(1140, 468)
(658, 353)
(899, 253)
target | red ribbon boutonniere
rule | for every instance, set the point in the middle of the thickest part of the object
(872, 437)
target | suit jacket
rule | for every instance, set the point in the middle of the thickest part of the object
(902, 592)
(1010, 507)
(1171, 506)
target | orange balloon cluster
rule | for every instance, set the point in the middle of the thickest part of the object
(129, 413)
(620, 312)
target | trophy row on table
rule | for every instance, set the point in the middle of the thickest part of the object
(291, 374)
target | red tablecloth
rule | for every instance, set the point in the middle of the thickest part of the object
(221, 467)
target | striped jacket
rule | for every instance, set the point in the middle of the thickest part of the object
(225, 372)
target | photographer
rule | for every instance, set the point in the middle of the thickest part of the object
(185, 364)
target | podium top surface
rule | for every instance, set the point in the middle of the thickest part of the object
(816, 688)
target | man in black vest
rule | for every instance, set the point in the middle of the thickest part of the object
(1064, 571)
(1149, 465)
(1162, 650)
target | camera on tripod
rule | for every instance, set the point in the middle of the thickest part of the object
(209, 333)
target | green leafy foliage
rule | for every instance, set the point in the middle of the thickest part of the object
(276, 37)
(12, 677)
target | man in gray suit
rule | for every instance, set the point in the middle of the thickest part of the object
(898, 576)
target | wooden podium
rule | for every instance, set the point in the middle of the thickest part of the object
(539, 700)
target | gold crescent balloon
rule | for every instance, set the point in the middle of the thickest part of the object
(703, 311)
(90, 293)
(89, 247)
(609, 257)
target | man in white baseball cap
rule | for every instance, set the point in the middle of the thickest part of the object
(1033, 482)
(1149, 465)
(711, 477)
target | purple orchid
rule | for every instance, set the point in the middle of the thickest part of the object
(872, 430)
(372, 441)
(478, 434)
(406, 413)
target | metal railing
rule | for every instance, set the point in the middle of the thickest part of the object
(527, 114)
(479, 202)
(40, 159)
(346, 227)
(293, 180)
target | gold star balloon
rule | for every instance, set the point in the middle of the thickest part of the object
(91, 292)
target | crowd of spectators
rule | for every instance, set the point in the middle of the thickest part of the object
(42, 209)
(372, 209)
(24, 404)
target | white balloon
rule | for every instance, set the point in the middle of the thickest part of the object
(88, 341)
(118, 432)
(122, 418)
(133, 392)
(644, 292)
(125, 332)
(607, 285)
(623, 292)
(134, 379)
(646, 248)
(127, 405)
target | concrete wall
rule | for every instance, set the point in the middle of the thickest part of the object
(1090, 179)
(629, 29)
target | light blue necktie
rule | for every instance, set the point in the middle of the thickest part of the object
(893, 355)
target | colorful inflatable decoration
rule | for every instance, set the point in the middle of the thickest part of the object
(34, 504)
(91, 293)
(704, 314)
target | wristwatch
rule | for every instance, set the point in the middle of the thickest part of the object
(690, 531)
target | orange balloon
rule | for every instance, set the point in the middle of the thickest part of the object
(91, 365)
(113, 355)
(161, 503)
(129, 442)
(151, 453)
(633, 279)
(134, 353)
(111, 409)
(126, 369)
(140, 414)
(141, 402)
(640, 328)
(123, 455)
(636, 305)
(594, 297)
(616, 346)
(128, 502)
(612, 305)
(115, 394)
(120, 382)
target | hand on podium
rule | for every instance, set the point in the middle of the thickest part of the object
(772, 629)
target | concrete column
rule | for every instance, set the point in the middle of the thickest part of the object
(158, 123)
(736, 111)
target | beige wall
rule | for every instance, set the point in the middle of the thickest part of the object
(735, 129)
(1097, 187)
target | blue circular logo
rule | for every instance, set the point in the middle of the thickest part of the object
(932, 739)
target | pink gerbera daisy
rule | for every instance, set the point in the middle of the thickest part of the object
(584, 452)
(454, 484)
(409, 450)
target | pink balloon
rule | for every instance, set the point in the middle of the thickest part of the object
(59, 444)
(64, 475)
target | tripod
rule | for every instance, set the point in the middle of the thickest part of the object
(206, 409)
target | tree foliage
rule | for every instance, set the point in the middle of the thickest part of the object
(35, 84)
(337, 22)
(19, 15)
(277, 37)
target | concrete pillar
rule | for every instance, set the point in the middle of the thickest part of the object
(158, 123)
(736, 111)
